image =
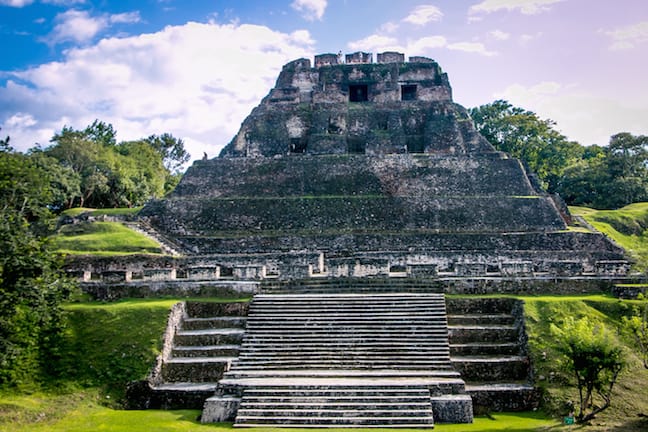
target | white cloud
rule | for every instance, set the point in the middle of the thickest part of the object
(80, 27)
(375, 43)
(471, 47)
(629, 36)
(584, 117)
(424, 14)
(196, 81)
(311, 10)
(389, 27)
(16, 3)
(424, 45)
(125, 18)
(525, 38)
(76, 26)
(22, 3)
(527, 7)
(500, 35)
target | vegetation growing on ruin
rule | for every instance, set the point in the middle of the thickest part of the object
(103, 238)
(627, 226)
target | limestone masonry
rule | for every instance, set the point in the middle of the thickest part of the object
(369, 169)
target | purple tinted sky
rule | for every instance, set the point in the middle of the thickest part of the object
(195, 69)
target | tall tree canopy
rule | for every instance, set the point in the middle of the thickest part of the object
(32, 286)
(524, 135)
(609, 176)
(111, 174)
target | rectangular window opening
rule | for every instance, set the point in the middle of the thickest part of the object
(408, 92)
(358, 93)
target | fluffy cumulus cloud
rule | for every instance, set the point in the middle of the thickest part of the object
(579, 115)
(500, 35)
(424, 14)
(471, 47)
(196, 81)
(79, 26)
(311, 10)
(628, 37)
(22, 3)
(527, 7)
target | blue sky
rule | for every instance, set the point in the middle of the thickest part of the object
(196, 68)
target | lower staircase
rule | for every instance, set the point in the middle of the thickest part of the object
(322, 360)
(201, 343)
(488, 347)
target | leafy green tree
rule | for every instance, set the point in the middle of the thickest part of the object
(524, 135)
(171, 149)
(115, 175)
(32, 285)
(595, 360)
(636, 326)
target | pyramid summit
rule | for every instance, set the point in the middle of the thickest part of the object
(363, 169)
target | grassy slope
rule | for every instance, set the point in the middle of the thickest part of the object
(103, 238)
(627, 226)
(630, 398)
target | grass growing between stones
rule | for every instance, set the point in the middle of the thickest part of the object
(103, 238)
(627, 226)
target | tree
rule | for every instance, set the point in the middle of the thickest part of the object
(525, 136)
(636, 326)
(32, 284)
(171, 149)
(115, 175)
(595, 360)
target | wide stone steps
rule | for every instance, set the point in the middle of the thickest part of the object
(206, 351)
(351, 285)
(344, 406)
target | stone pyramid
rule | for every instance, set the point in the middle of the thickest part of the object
(362, 168)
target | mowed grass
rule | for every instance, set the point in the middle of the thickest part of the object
(123, 211)
(627, 226)
(103, 238)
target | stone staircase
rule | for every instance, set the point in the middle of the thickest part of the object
(353, 285)
(488, 348)
(202, 341)
(372, 360)
(336, 405)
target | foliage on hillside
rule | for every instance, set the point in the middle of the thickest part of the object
(627, 226)
(32, 284)
(628, 403)
(103, 238)
(596, 176)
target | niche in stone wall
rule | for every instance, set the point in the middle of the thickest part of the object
(408, 92)
(358, 93)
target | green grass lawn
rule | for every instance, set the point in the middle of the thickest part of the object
(627, 226)
(125, 211)
(103, 238)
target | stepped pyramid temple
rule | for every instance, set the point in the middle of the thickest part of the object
(352, 199)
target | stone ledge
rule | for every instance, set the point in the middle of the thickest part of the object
(452, 408)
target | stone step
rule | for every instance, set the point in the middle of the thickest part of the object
(194, 369)
(324, 351)
(206, 351)
(321, 422)
(481, 319)
(484, 333)
(318, 406)
(492, 368)
(484, 348)
(457, 306)
(213, 322)
(180, 395)
(504, 396)
(228, 336)
(378, 333)
(202, 309)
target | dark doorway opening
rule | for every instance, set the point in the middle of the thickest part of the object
(358, 93)
(355, 145)
(408, 92)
